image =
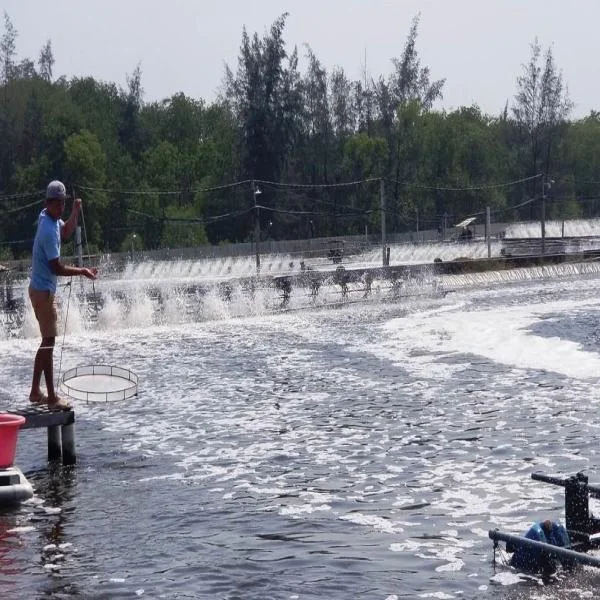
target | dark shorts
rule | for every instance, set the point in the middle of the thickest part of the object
(44, 308)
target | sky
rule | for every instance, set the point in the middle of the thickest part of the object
(478, 46)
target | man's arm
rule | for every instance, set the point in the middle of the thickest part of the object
(66, 231)
(66, 270)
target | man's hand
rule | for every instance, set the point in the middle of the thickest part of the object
(66, 231)
(89, 273)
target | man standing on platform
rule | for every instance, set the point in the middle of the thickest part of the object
(45, 268)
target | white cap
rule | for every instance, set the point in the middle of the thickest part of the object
(56, 190)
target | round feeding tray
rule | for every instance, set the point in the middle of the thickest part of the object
(99, 383)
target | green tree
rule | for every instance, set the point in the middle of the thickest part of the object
(409, 80)
(342, 114)
(582, 163)
(129, 124)
(183, 228)
(541, 108)
(265, 97)
(8, 50)
(161, 167)
(46, 62)
(85, 168)
(317, 123)
(401, 98)
(364, 157)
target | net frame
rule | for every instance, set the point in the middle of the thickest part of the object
(129, 390)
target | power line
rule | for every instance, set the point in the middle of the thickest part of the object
(22, 195)
(163, 192)
(317, 185)
(464, 189)
(206, 221)
(311, 213)
(20, 208)
(278, 184)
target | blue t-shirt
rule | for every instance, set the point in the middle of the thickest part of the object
(46, 247)
(535, 559)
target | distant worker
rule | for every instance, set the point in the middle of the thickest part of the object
(466, 235)
(45, 267)
(534, 560)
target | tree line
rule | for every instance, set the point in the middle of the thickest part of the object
(302, 152)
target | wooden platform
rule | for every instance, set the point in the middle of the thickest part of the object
(42, 416)
(60, 425)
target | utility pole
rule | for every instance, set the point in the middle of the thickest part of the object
(543, 215)
(255, 192)
(382, 205)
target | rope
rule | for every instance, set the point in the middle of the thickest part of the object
(87, 244)
(62, 346)
(69, 300)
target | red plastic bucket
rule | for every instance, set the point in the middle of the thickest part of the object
(9, 430)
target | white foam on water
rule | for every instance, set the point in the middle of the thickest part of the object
(377, 523)
(30, 327)
(455, 565)
(112, 315)
(437, 595)
(22, 529)
(141, 312)
(52, 510)
(296, 510)
(508, 578)
(500, 335)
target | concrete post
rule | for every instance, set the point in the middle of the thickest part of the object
(488, 236)
(54, 442)
(68, 444)
(543, 215)
(383, 232)
(256, 228)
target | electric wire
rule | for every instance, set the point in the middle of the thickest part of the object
(349, 211)
(466, 188)
(164, 192)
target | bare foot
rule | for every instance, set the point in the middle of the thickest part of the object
(59, 403)
(40, 398)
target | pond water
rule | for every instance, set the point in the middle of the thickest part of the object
(360, 451)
